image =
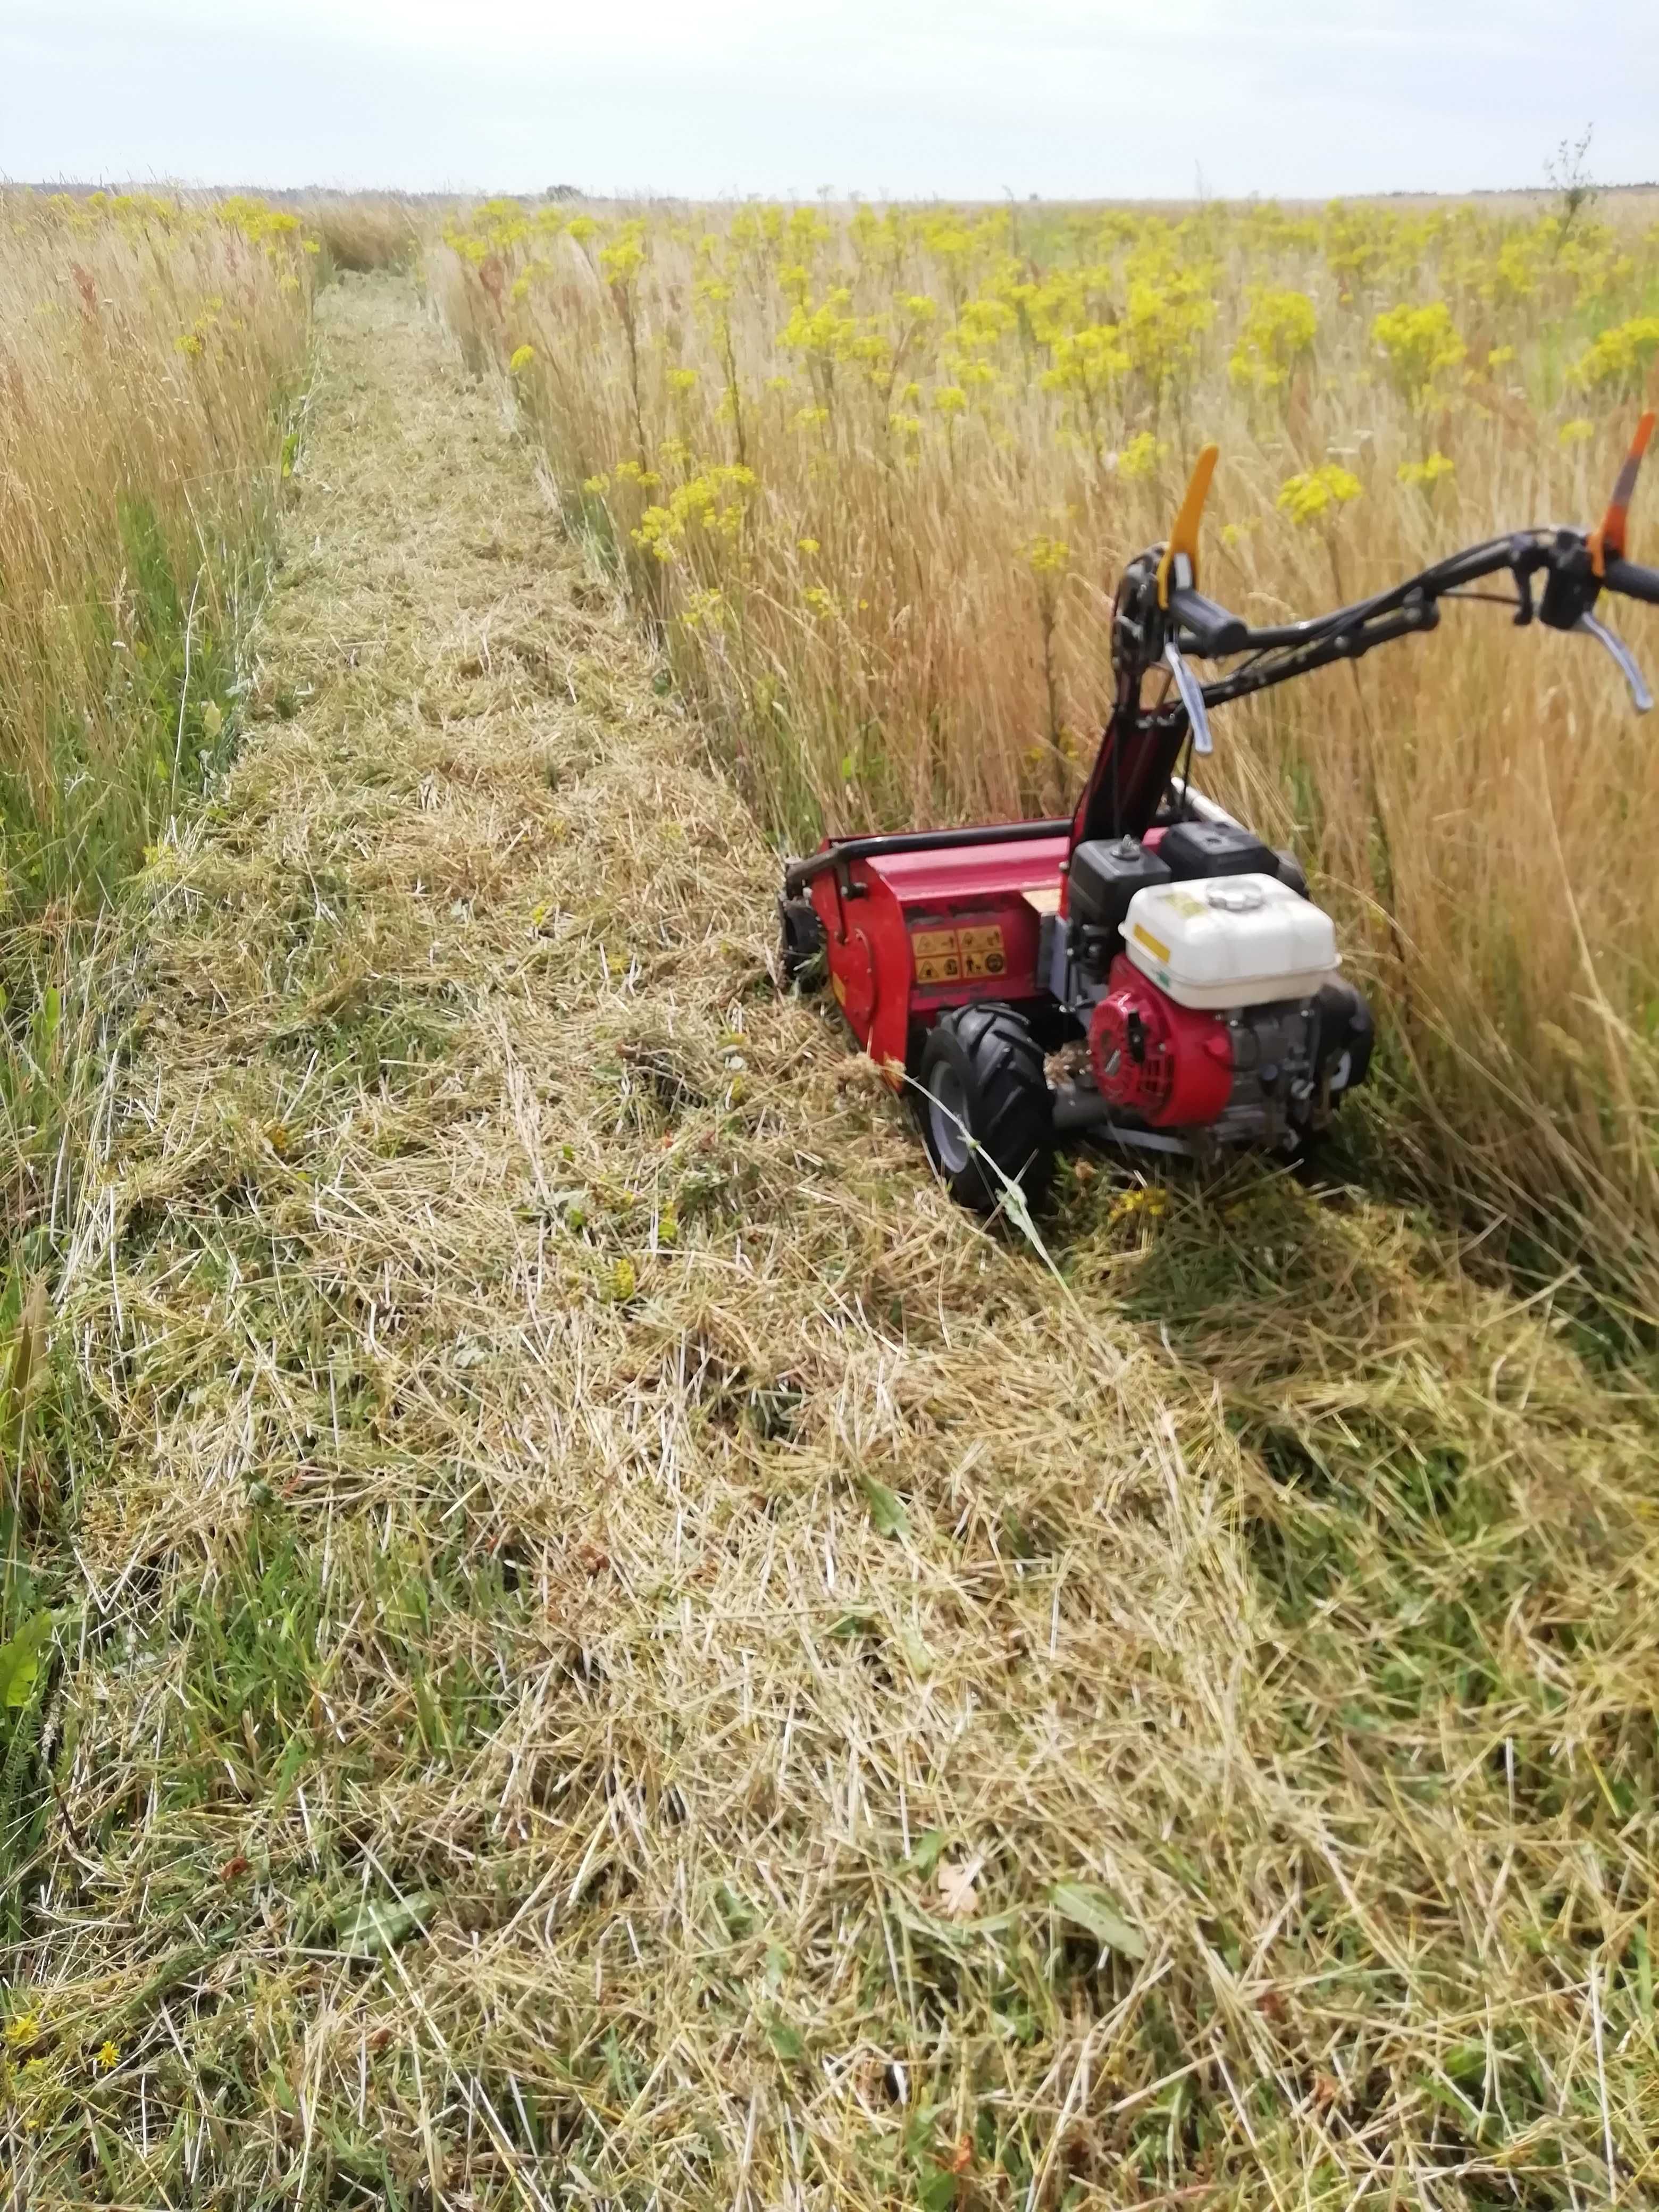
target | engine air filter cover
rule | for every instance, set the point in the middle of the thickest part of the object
(1231, 941)
(1105, 876)
(1214, 848)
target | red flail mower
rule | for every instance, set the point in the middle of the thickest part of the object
(1148, 971)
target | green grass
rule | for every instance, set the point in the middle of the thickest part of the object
(172, 697)
(68, 1017)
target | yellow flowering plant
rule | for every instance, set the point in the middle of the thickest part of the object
(1419, 344)
(1317, 493)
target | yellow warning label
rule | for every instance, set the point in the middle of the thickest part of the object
(945, 956)
(982, 952)
(1160, 951)
(939, 959)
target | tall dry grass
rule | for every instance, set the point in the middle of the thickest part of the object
(360, 231)
(149, 353)
(873, 475)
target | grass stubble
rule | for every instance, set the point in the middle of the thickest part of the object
(615, 1647)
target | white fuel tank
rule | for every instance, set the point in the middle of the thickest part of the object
(1231, 941)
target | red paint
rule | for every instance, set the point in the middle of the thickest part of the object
(1184, 1077)
(887, 900)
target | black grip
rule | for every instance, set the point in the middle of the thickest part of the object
(1633, 581)
(1213, 629)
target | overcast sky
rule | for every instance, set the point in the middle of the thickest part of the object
(907, 97)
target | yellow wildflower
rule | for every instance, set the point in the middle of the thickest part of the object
(1150, 1199)
(1278, 333)
(1047, 557)
(1419, 342)
(1426, 473)
(1620, 358)
(1304, 498)
(1141, 456)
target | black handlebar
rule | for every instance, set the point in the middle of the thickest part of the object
(1560, 559)
(1633, 581)
(1214, 631)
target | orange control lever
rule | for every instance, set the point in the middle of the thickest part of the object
(1607, 540)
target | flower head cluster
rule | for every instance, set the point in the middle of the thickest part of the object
(1419, 344)
(712, 503)
(1277, 335)
(1317, 493)
(1620, 359)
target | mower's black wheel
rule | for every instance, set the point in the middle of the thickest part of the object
(801, 944)
(986, 1110)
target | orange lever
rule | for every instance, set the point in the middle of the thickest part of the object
(1183, 531)
(1607, 538)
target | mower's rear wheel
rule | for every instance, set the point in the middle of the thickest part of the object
(801, 944)
(986, 1110)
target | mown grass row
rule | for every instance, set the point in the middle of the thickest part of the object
(870, 476)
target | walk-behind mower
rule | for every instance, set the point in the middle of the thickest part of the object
(1148, 971)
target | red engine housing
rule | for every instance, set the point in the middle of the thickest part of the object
(1171, 1065)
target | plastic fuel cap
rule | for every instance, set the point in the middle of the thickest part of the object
(1236, 897)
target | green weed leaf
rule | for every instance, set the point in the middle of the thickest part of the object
(925, 1856)
(366, 1927)
(20, 1661)
(1095, 1911)
(887, 1515)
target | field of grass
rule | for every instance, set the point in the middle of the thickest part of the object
(152, 357)
(151, 354)
(870, 476)
(599, 1642)
(152, 351)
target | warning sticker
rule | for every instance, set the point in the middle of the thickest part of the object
(947, 956)
(939, 959)
(982, 951)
